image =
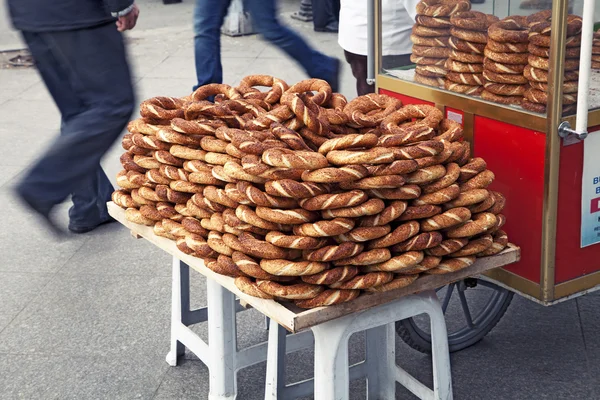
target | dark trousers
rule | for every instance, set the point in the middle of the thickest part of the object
(325, 12)
(87, 74)
(358, 64)
(208, 18)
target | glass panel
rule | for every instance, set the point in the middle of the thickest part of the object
(460, 56)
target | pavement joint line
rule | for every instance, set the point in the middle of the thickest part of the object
(590, 369)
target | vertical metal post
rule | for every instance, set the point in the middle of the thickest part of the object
(553, 143)
(371, 41)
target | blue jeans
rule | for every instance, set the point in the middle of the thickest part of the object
(87, 74)
(208, 18)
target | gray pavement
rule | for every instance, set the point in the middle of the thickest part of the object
(88, 317)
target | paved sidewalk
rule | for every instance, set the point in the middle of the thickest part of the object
(88, 317)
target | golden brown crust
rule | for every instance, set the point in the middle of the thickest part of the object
(328, 298)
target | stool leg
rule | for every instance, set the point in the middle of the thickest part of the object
(442, 375)
(180, 288)
(381, 362)
(331, 360)
(276, 352)
(222, 340)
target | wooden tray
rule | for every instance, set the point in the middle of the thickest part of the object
(296, 319)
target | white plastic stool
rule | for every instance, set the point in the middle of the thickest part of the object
(220, 354)
(332, 372)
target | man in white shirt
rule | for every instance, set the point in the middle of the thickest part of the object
(398, 18)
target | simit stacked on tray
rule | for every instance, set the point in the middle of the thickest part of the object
(304, 197)
(536, 72)
(505, 59)
(468, 40)
(596, 51)
(430, 36)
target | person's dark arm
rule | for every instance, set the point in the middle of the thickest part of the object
(126, 12)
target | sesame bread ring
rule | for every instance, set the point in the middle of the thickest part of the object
(375, 256)
(504, 47)
(452, 265)
(442, 8)
(330, 276)
(205, 91)
(422, 241)
(441, 158)
(278, 87)
(441, 41)
(196, 127)
(249, 216)
(544, 63)
(274, 174)
(420, 212)
(426, 175)
(165, 157)
(141, 126)
(333, 252)
(124, 182)
(440, 62)
(541, 108)
(540, 22)
(460, 153)
(465, 57)
(289, 137)
(146, 142)
(263, 199)
(231, 219)
(470, 90)
(296, 190)
(328, 298)
(429, 116)
(448, 219)
(568, 87)
(483, 206)
(433, 22)
(472, 20)
(293, 291)
(248, 286)
(321, 87)
(365, 281)
(433, 52)
(503, 89)
(425, 31)
(261, 249)
(188, 166)
(376, 155)
(469, 35)
(214, 223)
(369, 110)
(465, 79)
(192, 225)
(279, 113)
(186, 187)
(451, 176)
(406, 192)
(468, 198)
(512, 79)
(393, 211)
(234, 194)
(475, 246)
(219, 195)
(174, 228)
(168, 135)
(199, 245)
(294, 242)
(429, 81)
(467, 47)
(352, 141)
(457, 66)
(428, 263)
(212, 144)
(398, 263)
(250, 267)
(440, 197)
(418, 150)
(571, 52)
(186, 153)
(236, 172)
(232, 242)
(123, 199)
(370, 207)
(146, 193)
(479, 181)
(398, 167)
(500, 242)
(537, 96)
(140, 200)
(202, 202)
(364, 234)
(500, 202)
(513, 29)
(375, 182)
(215, 241)
(400, 234)
(223, 265)
(285, 158)
(338, 200)
(398, 282)
(500, 221)
(501, 68)
(507, 58)
(480, 223)
(145, 163)
(447, 247)
(284, 267)
(331, 175)
(307, 110)
(334, 227)
(204, 178)
(287, 217)
(150, 212)
(470, 170)
(432, 71)
(162, 108)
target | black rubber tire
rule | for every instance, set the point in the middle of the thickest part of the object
(420, 340)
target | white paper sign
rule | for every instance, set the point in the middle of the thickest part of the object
(590, 191)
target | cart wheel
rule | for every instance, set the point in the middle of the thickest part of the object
(469, 317)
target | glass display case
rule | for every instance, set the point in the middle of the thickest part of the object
(510, 85)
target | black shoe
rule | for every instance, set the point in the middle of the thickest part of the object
(171, 1)
(332, 27)
(86, 229)
(45, 214)
(335, 82)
